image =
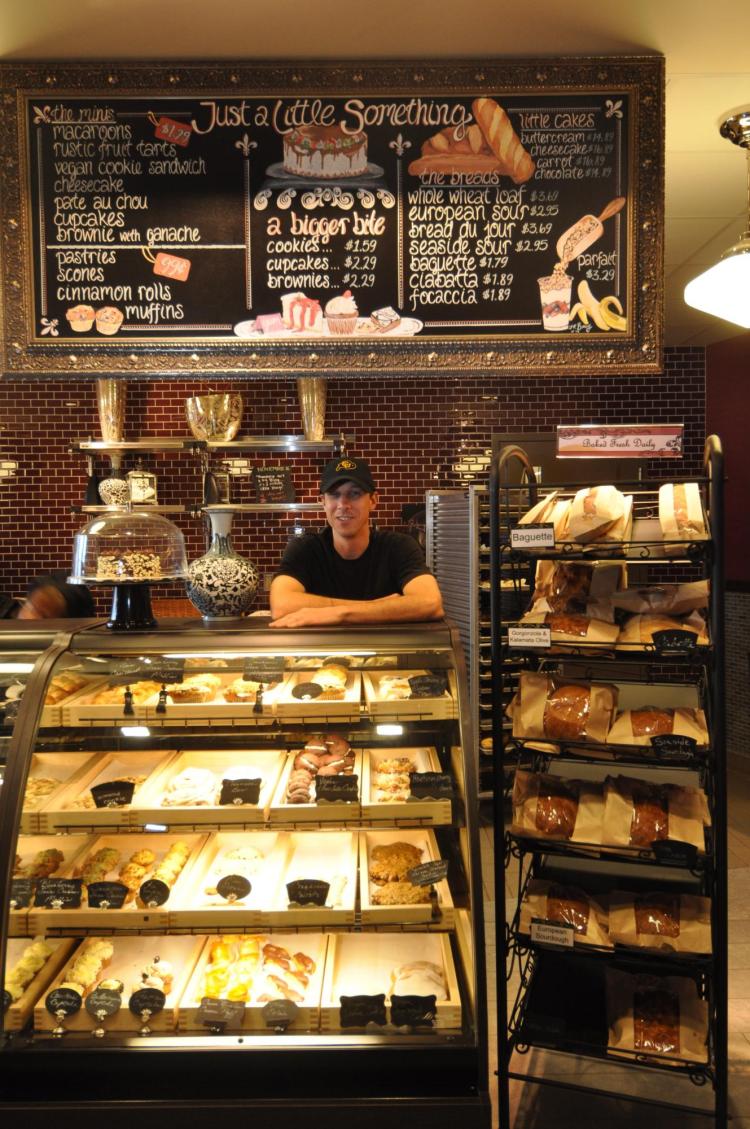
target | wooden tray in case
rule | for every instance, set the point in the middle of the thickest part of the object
(131, 917)
(307, 1017)
(362, 963)
(18, 1012)
(62, 810)
(195, 908)
(409, 811)
(314, 711)
(263, 764)
(28, 846)
(130, 955)
(281, 812)
(218, 710)
(63, 767)
(330, 856)
(408, 709)
(372, 914)
(81, 709)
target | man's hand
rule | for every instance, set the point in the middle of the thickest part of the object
(310, 617)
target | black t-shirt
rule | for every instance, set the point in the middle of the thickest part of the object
(388, 563)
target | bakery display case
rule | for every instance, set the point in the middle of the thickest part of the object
(614, 768)
(243, 842)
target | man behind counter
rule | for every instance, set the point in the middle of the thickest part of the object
(349, 573)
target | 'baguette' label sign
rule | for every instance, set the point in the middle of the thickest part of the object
(541, 536)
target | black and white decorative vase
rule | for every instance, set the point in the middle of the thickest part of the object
(114, 491)
(222, 584)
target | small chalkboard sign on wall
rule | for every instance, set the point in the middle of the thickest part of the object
(375, 217)
(273, 484)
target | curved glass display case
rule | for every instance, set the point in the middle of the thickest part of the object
(253, 842)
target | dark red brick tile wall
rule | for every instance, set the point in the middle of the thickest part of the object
(417, 434)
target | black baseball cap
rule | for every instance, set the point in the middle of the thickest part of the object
(347, 469)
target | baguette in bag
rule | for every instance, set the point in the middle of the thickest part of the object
(681, 512)
(670, 921)
(593, 511)
(667, 599)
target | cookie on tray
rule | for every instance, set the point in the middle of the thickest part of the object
(400, 894)
(390, 862)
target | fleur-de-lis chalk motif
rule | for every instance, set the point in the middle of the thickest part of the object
(41, 115)
(50, 327)
(400, 145)
(613, 109)
(245, 144)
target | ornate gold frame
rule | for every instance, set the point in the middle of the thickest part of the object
(640, 351)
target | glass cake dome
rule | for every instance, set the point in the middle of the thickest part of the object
(127, 547)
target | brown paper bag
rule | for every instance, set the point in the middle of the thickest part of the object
(658, 1016)
(681, 512)
(638, 813)
(572, 628)
(555, 709)
(636, 727)
(556, 807)
(676, 922)
(638, 631)
(565, 905)
(541, 511)
(668, 599)
(593, 511)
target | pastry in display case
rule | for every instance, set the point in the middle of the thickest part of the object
(227, 846)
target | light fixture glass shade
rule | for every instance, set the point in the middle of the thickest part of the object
(724, 289)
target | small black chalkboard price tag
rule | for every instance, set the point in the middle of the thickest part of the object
(154, 893)
(675, 642)
(431, 785)
(674, 745)
(239, 792)
(263, 668)
(672, 852)
(358, 1011)
(21, 891)
(278, 1014)
(106, 895)
(7, 1000)
(58, 893)
(103, 1002)
(413, 1011)
(273, 484)
(63, 1000)
(167, 671)
(428, 873)
(307, 892)
(337, 789)
(234, 887)
(113, 793)
(218, 1014)
(151, 1000)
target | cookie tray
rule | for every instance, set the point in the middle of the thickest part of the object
(27, 846)
(130, 955)
(63, 767)
(18, 1012)
(315, 712)
(408, 709)
(263, 764)
(60, 812)
(307, 1014)
(409, 811)
(362, 963)
(195, 908)
(132, 917)
(424, 840)
(325, 811)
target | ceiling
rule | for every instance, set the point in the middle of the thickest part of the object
(707, 66)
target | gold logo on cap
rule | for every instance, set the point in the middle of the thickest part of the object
(346, 464)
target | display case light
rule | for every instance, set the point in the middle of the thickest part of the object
(724, 289)
(389, 730)
(135, 731)
(16, 668)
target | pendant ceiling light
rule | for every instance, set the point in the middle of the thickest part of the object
(724, 289)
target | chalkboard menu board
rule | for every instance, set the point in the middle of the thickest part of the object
(256, 219)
